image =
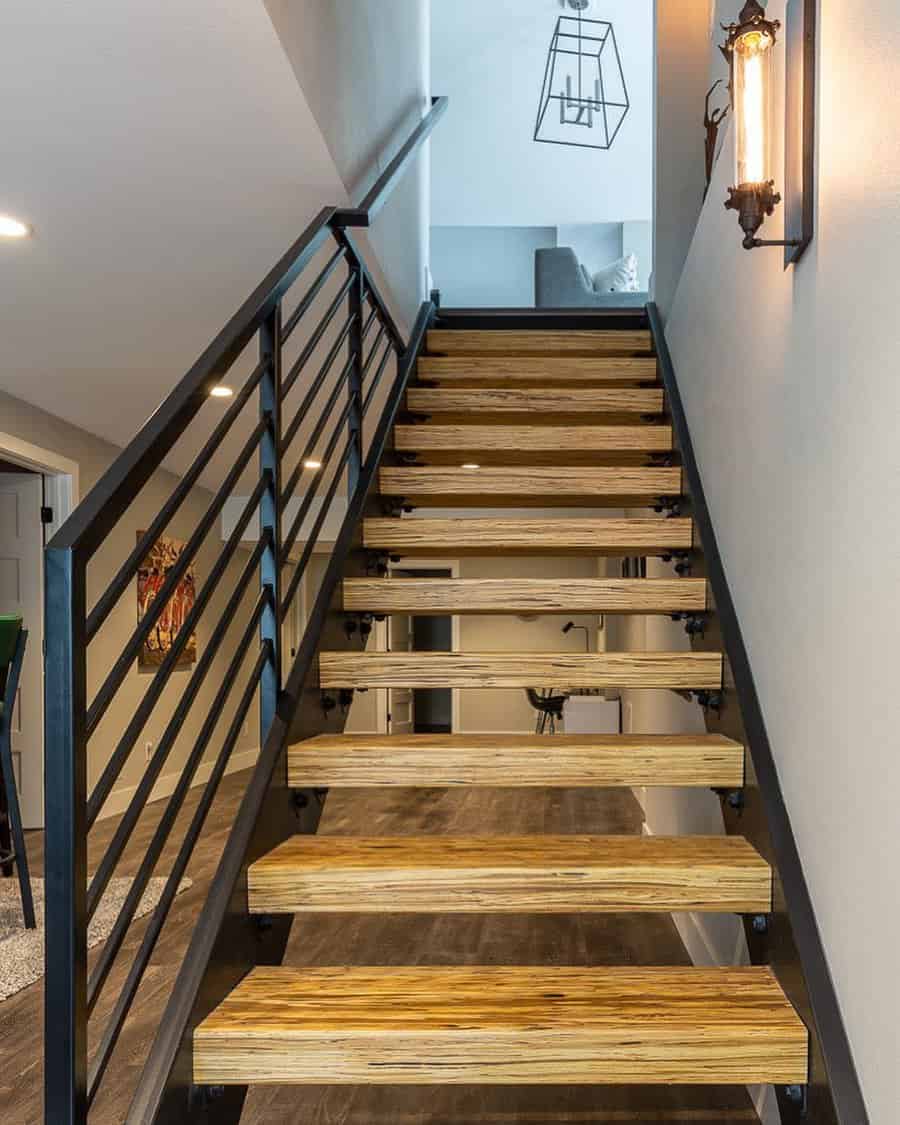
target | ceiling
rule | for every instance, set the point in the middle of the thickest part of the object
(166, 157)
(487, 170)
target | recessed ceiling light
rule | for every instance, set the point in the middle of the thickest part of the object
(471, 465)
(13, 228)
(312, 464)
(221, 392)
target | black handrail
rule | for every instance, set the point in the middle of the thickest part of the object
(71, 718)
(372, 204)
(837, 1091)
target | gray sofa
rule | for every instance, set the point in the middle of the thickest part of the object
(560, 283)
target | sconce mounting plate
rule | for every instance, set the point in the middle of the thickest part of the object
(800, 128)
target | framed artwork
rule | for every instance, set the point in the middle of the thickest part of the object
(152, 574)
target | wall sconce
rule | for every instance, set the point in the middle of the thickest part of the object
(749, 50)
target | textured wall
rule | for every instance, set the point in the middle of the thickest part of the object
(793, 417)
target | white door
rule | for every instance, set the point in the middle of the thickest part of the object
(21, 592)
(400, 701)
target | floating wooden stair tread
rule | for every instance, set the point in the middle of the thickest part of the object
(502, 1025)
(567, 761)
(511, 874)
(597, 536)
(528, 439)
(681, 671)
(535, 401)
(614, 342)
(558, 370)
(620, 487)
(437, 596)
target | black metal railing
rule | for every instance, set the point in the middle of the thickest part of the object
(302, 435)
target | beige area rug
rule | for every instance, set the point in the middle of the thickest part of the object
(22, 951)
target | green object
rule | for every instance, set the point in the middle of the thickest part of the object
(10, 627)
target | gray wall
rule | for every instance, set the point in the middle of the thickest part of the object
(94, 457)
(364, 69)
(790, 384)
(480, 267)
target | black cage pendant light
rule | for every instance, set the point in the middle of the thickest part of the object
(584, 99)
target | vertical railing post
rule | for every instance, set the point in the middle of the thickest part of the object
(270, 522)
(65, 864)
(355, 388)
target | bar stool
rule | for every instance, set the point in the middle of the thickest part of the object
(549, 708)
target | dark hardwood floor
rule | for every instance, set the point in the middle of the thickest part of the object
(386, 940)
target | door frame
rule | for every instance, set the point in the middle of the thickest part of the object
(61, 493)
(381, 638)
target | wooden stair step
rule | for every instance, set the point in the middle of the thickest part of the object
(511, 874)
(535, 400)
(452, 538)
(557, 370)
(581, 439)
(565, 761)
(680, 671)
(529, 486)
(610, 342)
(437, 596)
(503, 1025)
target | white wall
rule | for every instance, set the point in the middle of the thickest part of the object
(364, 68)
(682, 79)
(487, 169)
(477, 267)
(167, 159)
(790, 385)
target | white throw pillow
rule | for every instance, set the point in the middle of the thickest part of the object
(620, 277)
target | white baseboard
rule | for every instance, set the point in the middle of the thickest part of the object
(702, 950)
(119, 799)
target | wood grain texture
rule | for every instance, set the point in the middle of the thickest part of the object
(437, 596)
(559, 370)
(615, 342)
(535, 400)
(503, 1025)
(524, 439)
(511, 874)
(680, 671)
(565, 761)
(529, 486)
(473, 537)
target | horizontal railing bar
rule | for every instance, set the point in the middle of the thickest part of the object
(373, 386)
(129, 568)
(315, 531)
(126, 743)
(374, 352)
(371, 288)
(183, 999)
(129, 654)
(167, 822)
(113, 1028)
(315, 289)
(313, 440)
(102, 508)
(291, 538)
(315, 339)
(297, 421)
(373, 203)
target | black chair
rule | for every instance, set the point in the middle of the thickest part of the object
(13, 639)
(549, 708)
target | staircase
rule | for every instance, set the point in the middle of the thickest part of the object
(570, 419)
